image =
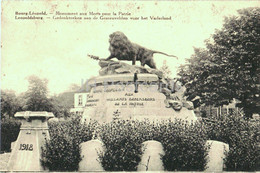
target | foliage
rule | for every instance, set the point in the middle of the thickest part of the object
(36, 96)
(62, 104)
(166, 70)
(62, 151)
(229, 67)
(10, 104)
(243, 139)
(36, 99)
(123, 146)
(184, 144)
(10, 129)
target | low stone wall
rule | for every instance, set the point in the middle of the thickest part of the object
(151, 158)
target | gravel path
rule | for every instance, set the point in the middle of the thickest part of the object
(4, 160)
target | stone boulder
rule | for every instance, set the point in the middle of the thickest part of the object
(117, 67)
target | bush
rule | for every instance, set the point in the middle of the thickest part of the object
(123, 146)
(62, 151)
(10, 129)
(184, 144)
(243, 139)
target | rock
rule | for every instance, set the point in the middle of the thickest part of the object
(216, 156)
(151, 158)
(103, 71)
(174, 97)
(118, 67)
(157, 72)
(166, 92)
(89, 152)
(103, 63)
(188, 105)
(176, 105)
(122, 70)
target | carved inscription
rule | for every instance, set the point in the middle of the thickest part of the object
(116, 99)
(94, 100)
(142, 99)
(130, 101)
(127, 100)
(26, 147)
(90, 105)
(113, 90)
(91, 102)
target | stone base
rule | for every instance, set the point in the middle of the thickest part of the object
(120, 97)
(26, 151)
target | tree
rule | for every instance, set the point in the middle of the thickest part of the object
(9, 104)
(74, 87)
(36, 96)
(229, 66)
(166, 70)
(63, 102)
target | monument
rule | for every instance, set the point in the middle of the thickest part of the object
(26, 153)
(123, 91)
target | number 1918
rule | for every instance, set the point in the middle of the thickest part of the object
(26, 147)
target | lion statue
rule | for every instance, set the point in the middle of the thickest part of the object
(123, 49)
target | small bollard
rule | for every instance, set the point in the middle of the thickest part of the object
(151, 158)
(216, 156)
(26, 152)
(89, 153)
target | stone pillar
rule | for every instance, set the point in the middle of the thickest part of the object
(151, 158)
(90, 151)
(26, 152)
(216, 155)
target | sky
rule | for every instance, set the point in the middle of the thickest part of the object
(57, 49)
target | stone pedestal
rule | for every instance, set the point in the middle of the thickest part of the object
(26, 153)
(89, 153)
(130, 96)
(216, 156)
(151, 158)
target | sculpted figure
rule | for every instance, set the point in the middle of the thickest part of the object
(122, 49)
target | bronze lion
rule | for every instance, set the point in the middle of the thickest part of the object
(123, 49)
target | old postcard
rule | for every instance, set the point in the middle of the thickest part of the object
(77, 58)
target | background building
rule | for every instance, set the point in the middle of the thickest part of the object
(80, 99)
